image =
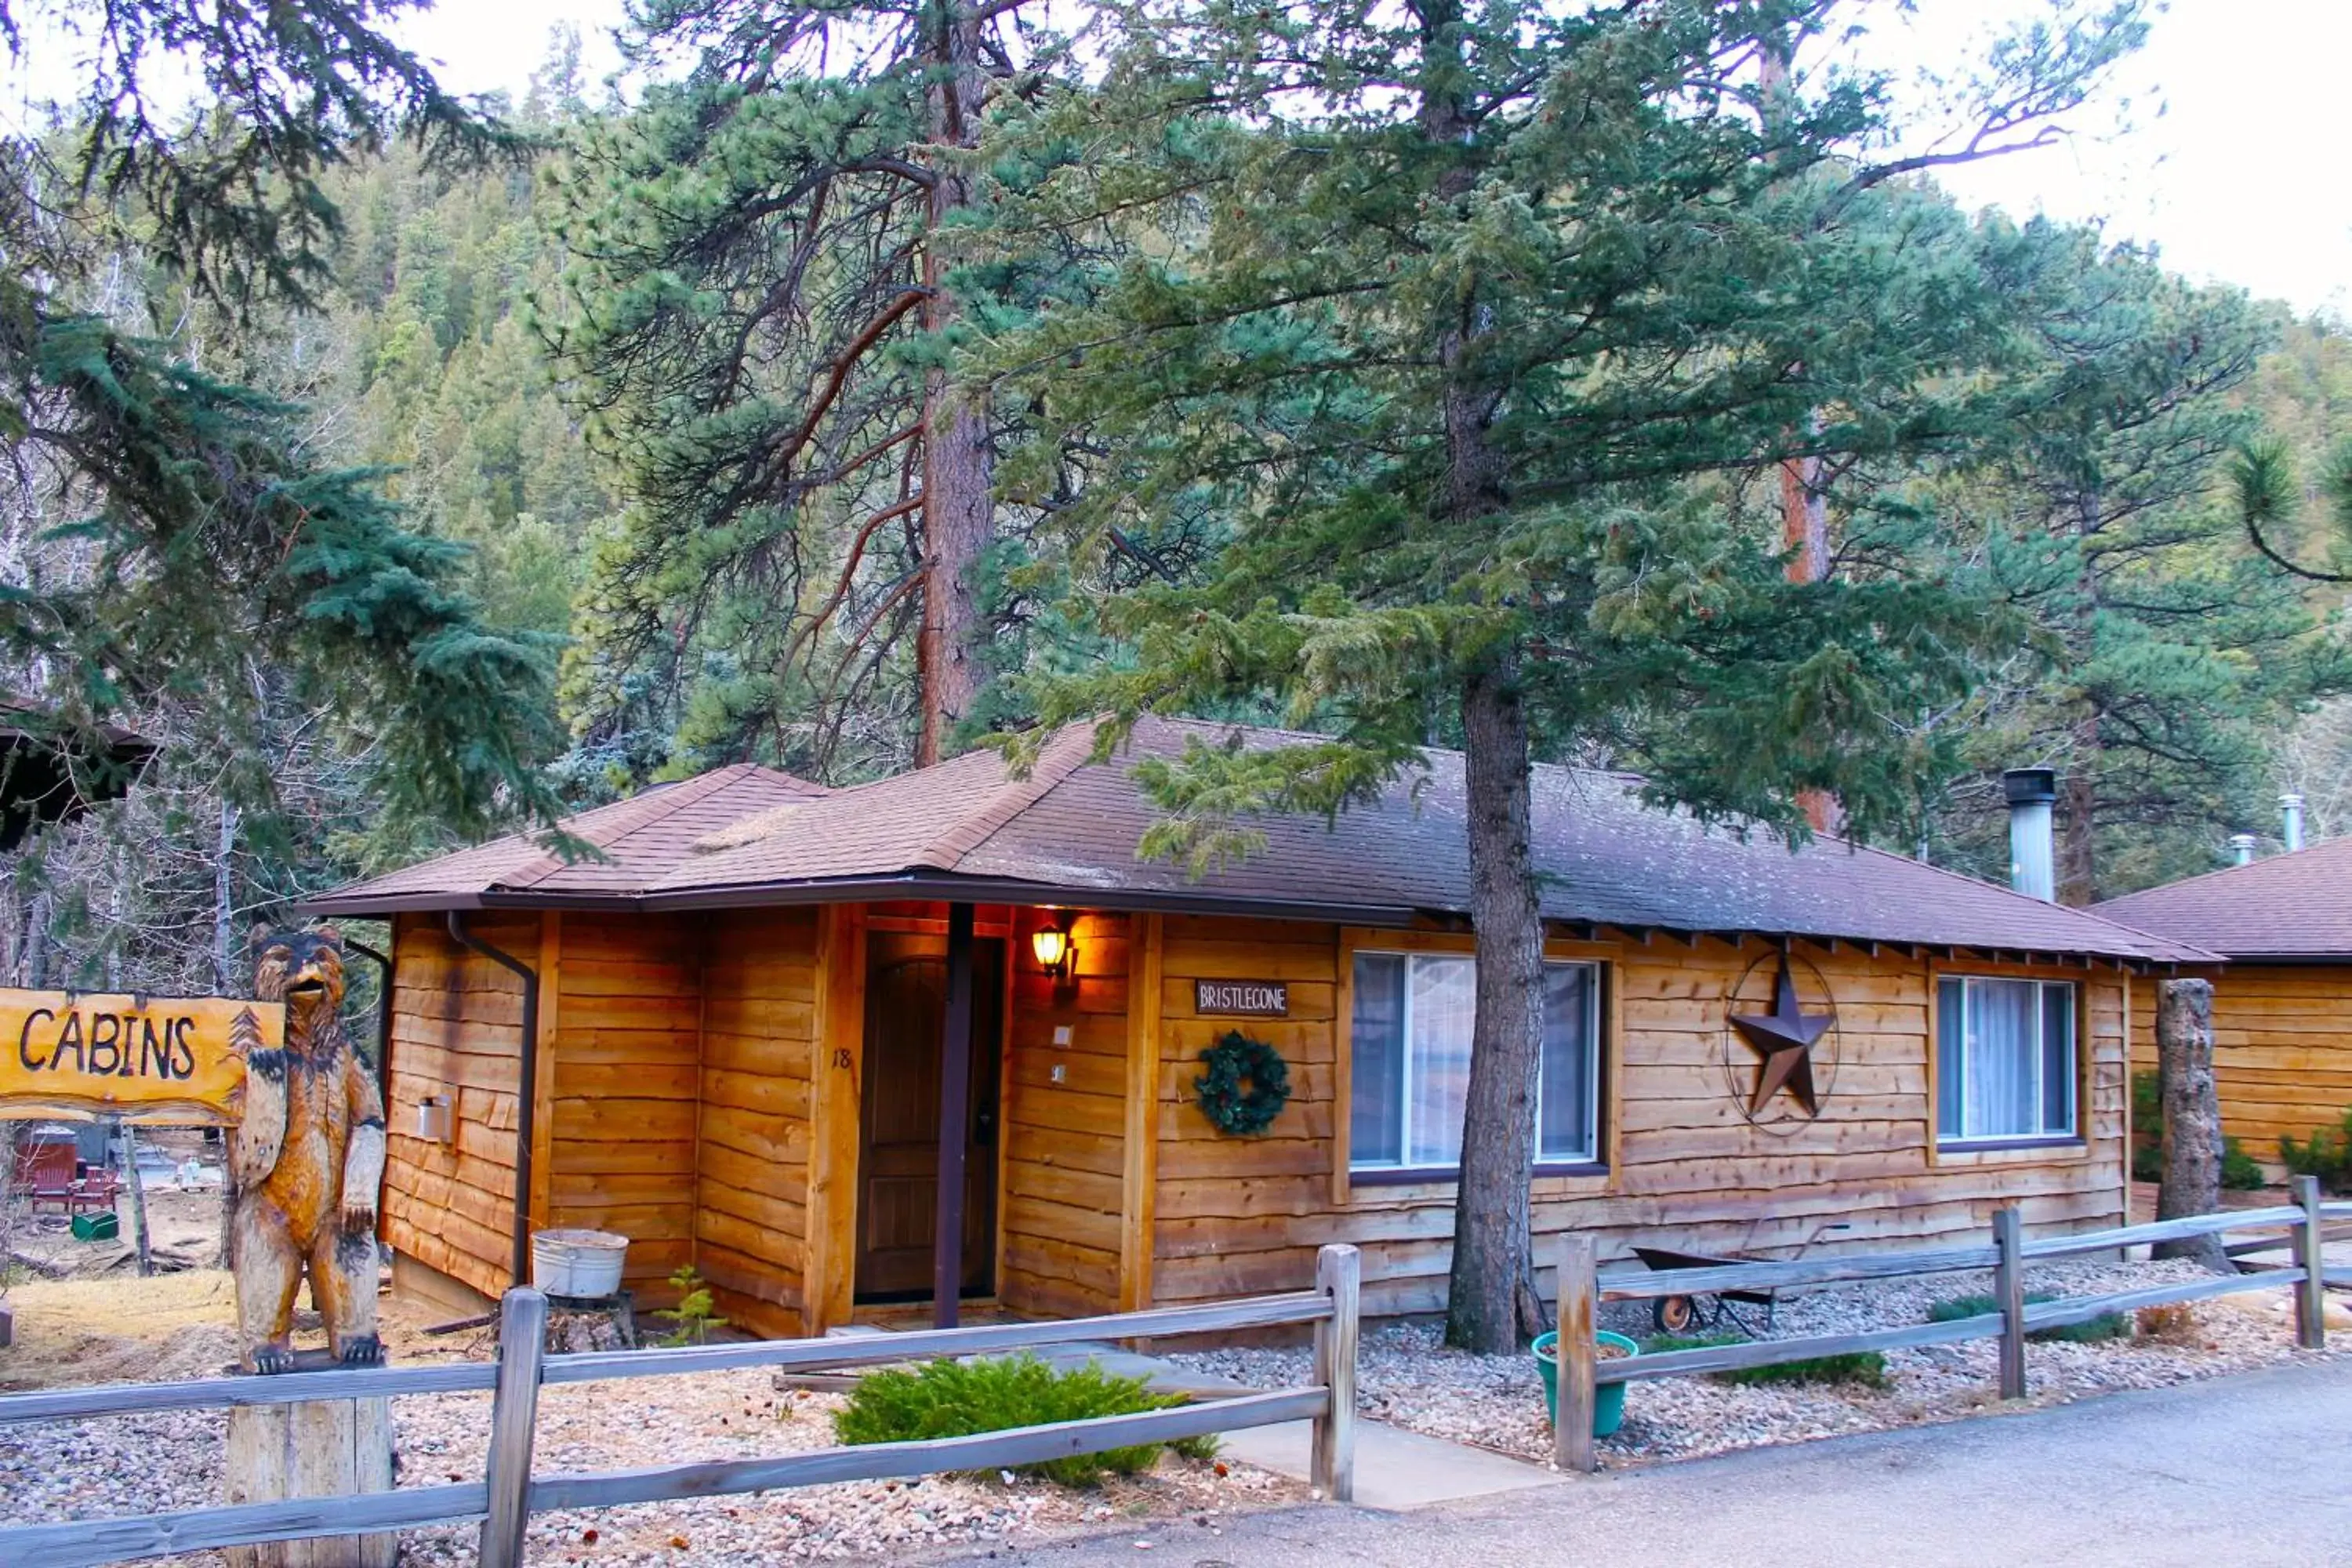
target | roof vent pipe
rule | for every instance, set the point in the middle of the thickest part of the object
(2033, 855)
(2243, 843)
(2291, 808)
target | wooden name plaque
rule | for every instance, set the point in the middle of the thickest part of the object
(1242, 998)
(144, 1058)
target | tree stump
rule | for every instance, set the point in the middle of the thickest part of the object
(2192, 1118)
(320, 1447)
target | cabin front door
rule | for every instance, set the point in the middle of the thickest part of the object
(898, 1154)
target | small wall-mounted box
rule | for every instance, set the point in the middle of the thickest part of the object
(435, 1123)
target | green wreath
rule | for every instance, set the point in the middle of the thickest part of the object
(1234, 1062)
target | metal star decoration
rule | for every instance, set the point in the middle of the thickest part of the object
(1784, 1039)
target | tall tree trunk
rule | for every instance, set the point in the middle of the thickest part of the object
(2192, 1117)
(224, 975)
(958, 461)
(2078, 868)
(1492, 1302)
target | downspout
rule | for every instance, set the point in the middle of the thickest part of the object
(382, 1020)
(526, 1089)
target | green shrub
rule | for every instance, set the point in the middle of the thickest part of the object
(1868, 1368)
(2106, 1326)
(694, 1314)
(2328, 1156)
(2241, 1171)
(955, 1399)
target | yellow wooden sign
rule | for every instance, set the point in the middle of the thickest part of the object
(168, 1061)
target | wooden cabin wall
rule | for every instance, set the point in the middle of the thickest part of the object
(1236, 1216)
(759, 1024)
(457, 1032)
(2281, 1048)
(621, 1013)
(1239, 1216)
(1064, 1142)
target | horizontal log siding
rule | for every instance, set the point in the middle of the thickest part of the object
(758, 1044)
(1238, 1216)
(2281, 1048)
(1064, 1142)
(623, 1108)
(456, 1031)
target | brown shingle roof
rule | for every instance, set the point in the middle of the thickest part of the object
(2295, 906)
(1068, 833)
(641, 838)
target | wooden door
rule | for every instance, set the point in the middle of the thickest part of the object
(898, 1157)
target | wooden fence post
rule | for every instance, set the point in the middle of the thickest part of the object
(2009, 1287)
(2311, 1296)
(1574, 1355)
(1339, 1274)
(514, 1414)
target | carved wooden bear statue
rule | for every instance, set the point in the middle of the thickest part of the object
(308, 1159)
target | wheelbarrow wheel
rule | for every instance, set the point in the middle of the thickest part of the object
(1673, 1314)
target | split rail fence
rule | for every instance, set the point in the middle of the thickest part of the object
(1583, 1289)
(510, 1493)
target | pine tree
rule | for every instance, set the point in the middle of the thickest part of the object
(1488, 333)
(2175, 651)
(176, 536)
(765, 295)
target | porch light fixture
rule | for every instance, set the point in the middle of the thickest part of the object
(1055, 953)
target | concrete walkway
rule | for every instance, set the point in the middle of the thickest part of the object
(2252, 1471)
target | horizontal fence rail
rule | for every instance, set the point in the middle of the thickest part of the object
(1581, 1374)
(503, 1502)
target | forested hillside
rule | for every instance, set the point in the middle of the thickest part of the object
(839, 410)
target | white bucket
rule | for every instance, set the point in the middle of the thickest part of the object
(577, 1262)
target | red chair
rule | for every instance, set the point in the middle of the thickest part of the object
(49, 1170)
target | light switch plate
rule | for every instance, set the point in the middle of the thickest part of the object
(1061, 1033)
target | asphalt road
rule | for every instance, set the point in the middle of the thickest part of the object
(2243, 1472)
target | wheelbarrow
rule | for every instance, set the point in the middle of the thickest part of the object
(1705, 1309)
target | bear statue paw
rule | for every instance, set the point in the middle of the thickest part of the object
(270, 1359)
(362, 1349)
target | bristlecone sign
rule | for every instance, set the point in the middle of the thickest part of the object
(163, 1060)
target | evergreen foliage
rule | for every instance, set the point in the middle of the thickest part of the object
(1485, 333)
(991, 1394)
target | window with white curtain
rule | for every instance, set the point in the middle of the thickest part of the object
(1410, 1070)
(2005, 1059)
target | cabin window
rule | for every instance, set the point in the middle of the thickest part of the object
(2005, 1059)
(1410, 1075)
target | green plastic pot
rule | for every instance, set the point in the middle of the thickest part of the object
(1608, 1400)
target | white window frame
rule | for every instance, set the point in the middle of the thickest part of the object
(1966, 1140)
(1596, 1054)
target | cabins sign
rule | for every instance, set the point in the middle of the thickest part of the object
(163, 1060)
(1242, 998)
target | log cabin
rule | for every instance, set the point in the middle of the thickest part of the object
(2282, 1008)
(939, 1037)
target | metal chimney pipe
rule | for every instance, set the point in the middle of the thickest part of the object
(2243, 843)
(2291, 807)
(2032, 851)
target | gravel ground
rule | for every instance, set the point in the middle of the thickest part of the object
(1406, 1377)
(151, 1464)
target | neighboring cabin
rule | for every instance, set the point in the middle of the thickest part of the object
(739, 1023)
(2282, 1008)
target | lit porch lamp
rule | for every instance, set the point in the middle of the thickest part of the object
(1057, 954)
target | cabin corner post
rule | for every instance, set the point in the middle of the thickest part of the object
(1140, 1168)
(828, 1264)
(543, 1085)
